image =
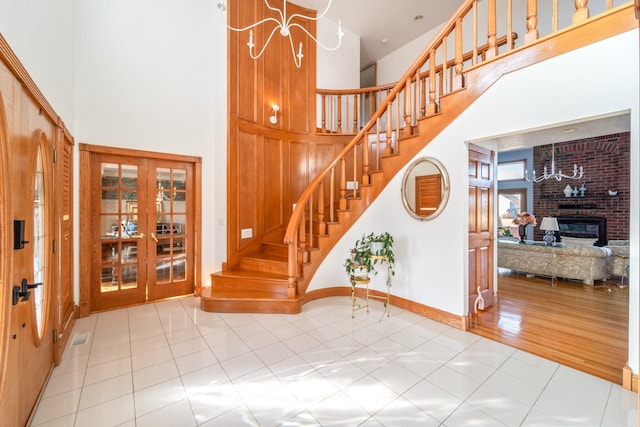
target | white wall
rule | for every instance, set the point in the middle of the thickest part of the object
(338, 69)
(148, 76)
(432, 255)
(41, 34)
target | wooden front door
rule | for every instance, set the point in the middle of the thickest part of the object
(27, 277)
(141, 230)
(480, 226)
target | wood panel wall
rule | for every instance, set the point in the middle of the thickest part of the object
(269, 165)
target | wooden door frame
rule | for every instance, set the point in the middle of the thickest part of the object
(86, 151)
(6, 255)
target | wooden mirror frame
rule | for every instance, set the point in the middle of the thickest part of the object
(410, 174)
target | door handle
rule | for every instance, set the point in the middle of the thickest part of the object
(138, 236)
(153, 236)
(23, 291)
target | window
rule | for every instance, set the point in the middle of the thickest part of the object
(511, 171)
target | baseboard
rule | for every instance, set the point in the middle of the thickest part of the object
(61, 341)
(441, 316)
(629, 379)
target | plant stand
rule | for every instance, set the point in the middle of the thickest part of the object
(365, 280)
(359, 280)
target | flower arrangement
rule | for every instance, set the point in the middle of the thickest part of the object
(524, 218)
(504, 232)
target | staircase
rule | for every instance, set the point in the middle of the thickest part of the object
(429, 96)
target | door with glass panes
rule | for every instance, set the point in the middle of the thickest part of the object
(141, 230)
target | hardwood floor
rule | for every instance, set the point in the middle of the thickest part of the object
(584, 327)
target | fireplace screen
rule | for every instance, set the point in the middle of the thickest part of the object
(585, 227)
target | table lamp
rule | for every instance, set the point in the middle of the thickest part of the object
(550, 226)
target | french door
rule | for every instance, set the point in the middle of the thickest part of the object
(141, 230)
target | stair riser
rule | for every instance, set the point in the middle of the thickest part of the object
(250, 306)
(276, 288)
(276, 267)
(273, 249)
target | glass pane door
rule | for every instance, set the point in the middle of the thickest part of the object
(122, 231)
(170, 260)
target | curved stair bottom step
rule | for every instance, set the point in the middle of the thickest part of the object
(240, 301)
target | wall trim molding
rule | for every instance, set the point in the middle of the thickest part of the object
(441, 316)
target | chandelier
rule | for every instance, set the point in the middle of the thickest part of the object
(284, 24)
(577, 173)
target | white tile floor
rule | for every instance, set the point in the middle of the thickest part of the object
(170, 364)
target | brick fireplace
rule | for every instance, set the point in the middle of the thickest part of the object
(606, 165)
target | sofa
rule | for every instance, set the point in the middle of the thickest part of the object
(568, 261)
(618, 262)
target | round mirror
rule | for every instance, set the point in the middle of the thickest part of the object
(425, 188)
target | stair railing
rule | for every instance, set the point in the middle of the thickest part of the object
(437, 72)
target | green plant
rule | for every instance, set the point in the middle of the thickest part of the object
(361, 259)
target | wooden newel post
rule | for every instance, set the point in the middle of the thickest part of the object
(582, 11)
(322, 225)
(292, 288)
(532, 21)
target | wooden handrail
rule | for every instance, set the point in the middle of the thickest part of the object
(353, 94)
(416, 95)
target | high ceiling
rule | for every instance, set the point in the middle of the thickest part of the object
(393, 21)
(385, 25)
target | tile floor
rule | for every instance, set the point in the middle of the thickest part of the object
(170, 364)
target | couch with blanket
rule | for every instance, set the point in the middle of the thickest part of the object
(568, 261)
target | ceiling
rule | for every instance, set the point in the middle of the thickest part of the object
(393, 21)
(384, 25)
(562, 132)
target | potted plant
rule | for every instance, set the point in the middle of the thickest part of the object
(359, 261)
(376, 245)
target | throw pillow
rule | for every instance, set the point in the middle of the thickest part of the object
(578, 241)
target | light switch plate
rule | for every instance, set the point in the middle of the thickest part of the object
(246, 233)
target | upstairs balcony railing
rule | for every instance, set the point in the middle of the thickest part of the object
(379, 117)
(346, 111)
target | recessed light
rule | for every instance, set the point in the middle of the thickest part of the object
(418, 18)
(568, 130)
(384, 41)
